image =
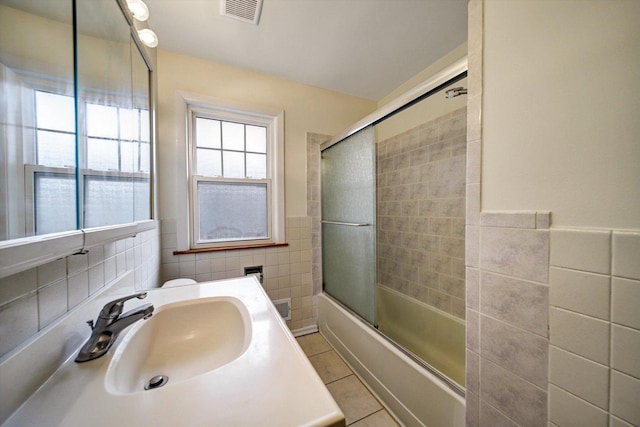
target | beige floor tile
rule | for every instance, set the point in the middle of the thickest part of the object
(313, 344)
(355, 401)
(330, 366)
(379, 419)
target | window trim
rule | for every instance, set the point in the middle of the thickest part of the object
(30, 172)
(230, 109)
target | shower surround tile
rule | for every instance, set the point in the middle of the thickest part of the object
(510, 252)
(421, 212)
(520, 303)
(514, 397)
(518, 252)
(514, 349)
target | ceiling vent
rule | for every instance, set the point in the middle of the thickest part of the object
(243, 10)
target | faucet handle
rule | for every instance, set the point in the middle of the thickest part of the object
(113, 309)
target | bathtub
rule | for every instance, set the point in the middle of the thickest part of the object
(416, 396)
(433, 335)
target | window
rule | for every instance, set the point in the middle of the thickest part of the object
(235, 168)
(114, 159)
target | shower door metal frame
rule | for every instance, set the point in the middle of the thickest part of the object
(447, 76)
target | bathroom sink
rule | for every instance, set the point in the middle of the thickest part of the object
(180, 341)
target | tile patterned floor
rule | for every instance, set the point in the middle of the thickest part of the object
(360, 407)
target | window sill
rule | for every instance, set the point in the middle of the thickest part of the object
(229, 248)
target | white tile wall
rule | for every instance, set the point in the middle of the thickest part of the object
(594, 327)
(625, 350)
(286, 269)
(579, 376)
(626, 255)
(582, 250)
(568, 410)
(33, 299)
(579, 291)
(625, 295)
(583, 335)
(624, 397)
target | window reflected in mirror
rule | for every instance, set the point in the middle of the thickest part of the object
(76, 148)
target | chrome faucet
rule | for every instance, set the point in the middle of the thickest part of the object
(110, 323)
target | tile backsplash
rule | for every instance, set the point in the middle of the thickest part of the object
(286, 269)
(31, 300)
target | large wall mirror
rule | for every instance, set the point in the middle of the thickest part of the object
(75, 132)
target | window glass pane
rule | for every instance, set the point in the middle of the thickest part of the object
(129, 156)
(233, 164)
(107, 201)
(207, 133)
(142, 197)
(145, 126)
(231, 211)
(129, 124)
(209, 162)
(56, 149)
(56, 112)
(256, 166)
(232, 136)
(257, 139)
(145, 157)
(102, 154)
(102, 120)
(55, 202)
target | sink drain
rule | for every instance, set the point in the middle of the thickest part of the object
(156, 382)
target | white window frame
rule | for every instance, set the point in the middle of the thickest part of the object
(31, 167)
(273, 119)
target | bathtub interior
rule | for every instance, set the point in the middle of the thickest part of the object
(431, 335)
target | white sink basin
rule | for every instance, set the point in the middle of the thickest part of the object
(181, 340)
(230, 359)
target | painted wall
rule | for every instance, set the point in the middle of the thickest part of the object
(307, 109)
(430, 109)
(560, 110)
(552, 326)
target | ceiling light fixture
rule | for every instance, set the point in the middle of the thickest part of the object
(139, 10)
(148, 37)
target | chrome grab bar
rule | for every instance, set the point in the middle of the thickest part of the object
(348, 224)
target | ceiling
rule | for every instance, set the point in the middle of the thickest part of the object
(365, 48)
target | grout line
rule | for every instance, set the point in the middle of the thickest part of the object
(371, 414)
(340, 379)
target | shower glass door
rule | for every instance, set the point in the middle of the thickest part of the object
(348, 222)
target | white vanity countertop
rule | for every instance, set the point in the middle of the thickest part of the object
(271, 384)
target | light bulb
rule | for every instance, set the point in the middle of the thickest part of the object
(139, 9)
(148, 37)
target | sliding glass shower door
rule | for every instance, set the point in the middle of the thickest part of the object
(348, 222)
